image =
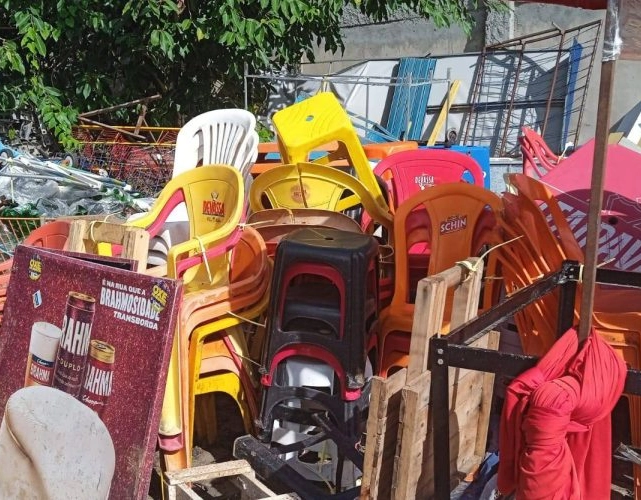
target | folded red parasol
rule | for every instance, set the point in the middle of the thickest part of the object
(555, 438)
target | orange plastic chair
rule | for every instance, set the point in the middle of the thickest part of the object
(381, 150)
(538, 158)
(456, 221)
(315, 122)
(53, 234)
(616, 314)
(308, 185)
(538, 193)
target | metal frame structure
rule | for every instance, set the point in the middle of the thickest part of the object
(570, 96)
(454, 351)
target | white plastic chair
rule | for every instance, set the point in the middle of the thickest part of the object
(221, 136)
(224, 136)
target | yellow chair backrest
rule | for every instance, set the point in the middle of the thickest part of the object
(213, 196)
(316, 122)
(308, 185)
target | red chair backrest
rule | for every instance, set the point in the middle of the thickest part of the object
(538, 158)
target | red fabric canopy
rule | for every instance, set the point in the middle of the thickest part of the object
(555, 436)
(584, 4)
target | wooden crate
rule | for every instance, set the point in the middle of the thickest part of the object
(177, 483)
(398, 454)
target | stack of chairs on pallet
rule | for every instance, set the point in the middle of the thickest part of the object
(538, 243)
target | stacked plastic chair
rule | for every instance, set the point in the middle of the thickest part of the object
(226, 274)
(322, 322)
(218, 137)
(408, 172)
(451, 222)
(316, 122)
(538, 158)
(273, 224)
(539, 251)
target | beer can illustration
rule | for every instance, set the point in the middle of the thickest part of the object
(74, 343)
(43, 347)
(98, 381)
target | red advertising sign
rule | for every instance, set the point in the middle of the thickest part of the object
(103, 335)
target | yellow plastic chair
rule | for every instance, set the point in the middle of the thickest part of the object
(315, 122)
(213, 196)
(211, 361)
(309, 185)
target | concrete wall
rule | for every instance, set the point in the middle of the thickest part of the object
(408, 35)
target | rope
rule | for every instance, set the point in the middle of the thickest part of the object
(205, 261)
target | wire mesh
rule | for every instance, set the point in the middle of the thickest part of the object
(540, 81)
(145, 165)
(13, 231)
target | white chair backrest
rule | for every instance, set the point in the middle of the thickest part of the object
(220, 136)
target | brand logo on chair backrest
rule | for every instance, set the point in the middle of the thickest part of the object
(299, 195)
(213, 207)
(424, 181)
(453, 223)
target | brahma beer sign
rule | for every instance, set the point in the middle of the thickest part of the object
(103, 335)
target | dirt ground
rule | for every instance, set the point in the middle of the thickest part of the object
(230, 426)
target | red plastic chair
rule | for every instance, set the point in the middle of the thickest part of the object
(538, 158)
(407, 172)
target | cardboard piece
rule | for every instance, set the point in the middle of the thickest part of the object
(127, 347)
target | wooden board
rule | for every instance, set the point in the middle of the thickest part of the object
(381, 432)
(470, 397)
(238, 471)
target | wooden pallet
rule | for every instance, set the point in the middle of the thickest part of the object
(177, 483)
(398, 454)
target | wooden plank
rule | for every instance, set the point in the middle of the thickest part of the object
(429, 308)
(467, 294)
(84, 236)
(440, 120)
(381, 432)
(412, 434)
(428, 319)
(208, 472)
(414, 460)
(486, 399)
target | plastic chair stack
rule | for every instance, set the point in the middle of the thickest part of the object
(454, 221)
(408, 172)
(226, 273)
(218, 137)
(322, 323)
(539, 251)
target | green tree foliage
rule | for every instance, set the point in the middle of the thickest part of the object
(62, 57)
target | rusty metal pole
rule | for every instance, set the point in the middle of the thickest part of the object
(598, 172)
